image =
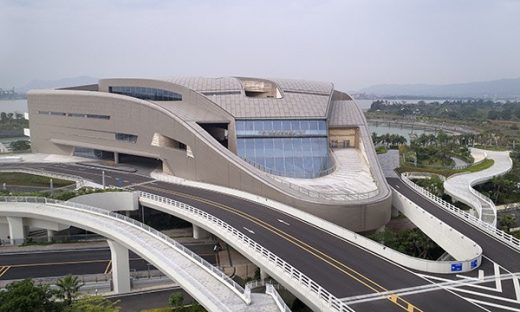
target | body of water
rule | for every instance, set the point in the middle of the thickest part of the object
(403, 131)
(365, 104)
(13, 106)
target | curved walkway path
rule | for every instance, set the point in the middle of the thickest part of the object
(209, 286)
(459, 186)
(352, 178)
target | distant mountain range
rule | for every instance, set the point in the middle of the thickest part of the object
(495, 89)
(61, 83)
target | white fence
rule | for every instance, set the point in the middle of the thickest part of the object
(235, 287)
(292, 273)
(270, 289)
(463, 215)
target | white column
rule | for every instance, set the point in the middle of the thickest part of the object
(263, 274)
(16, 230)
(116, 158)
(395, 212)
(50, 235)
(120, 267)
(199, 233)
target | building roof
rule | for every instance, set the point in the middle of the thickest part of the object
(300, 98)
(345, 114)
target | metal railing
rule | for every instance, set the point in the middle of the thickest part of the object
(304, 281)
(234, 286)
(312, 193)
(310, 175)
(271, 290)
(497, 234)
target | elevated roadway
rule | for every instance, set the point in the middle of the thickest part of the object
(343, 268)
(460, 186)
(493, 248)
(205, 283)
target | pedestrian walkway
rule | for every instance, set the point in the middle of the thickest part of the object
(459, 186)
(352, 178)
(389, 162)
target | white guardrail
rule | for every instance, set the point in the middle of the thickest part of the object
(270, 289)
(304, 281)
(235, 287)
(463, 215)
(278, 177)
(80, 182)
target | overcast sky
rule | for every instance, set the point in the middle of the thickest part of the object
(354, 44)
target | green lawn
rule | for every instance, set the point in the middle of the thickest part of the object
(447, 172)
(24, 179)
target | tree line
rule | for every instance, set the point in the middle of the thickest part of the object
(454, 109)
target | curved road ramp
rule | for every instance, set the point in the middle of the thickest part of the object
(460, 186)
(209, 286)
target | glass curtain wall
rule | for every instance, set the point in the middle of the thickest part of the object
(147, 93)
(292, 148)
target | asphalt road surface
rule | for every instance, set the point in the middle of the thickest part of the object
(341, 267)
(82, 261)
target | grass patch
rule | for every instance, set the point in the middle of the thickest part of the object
(62, 195)
(492, 148)
(381, 149)
(448, 172)
(158, 310)
(25, 179)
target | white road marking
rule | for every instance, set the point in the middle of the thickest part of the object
(397, 186)
(517, 288)
(493, 305)
(479, 278)
(498, 281)
(467, 278)
(282, 221)
(250, 231)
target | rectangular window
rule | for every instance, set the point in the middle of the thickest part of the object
(126, 137)
(94, 116)
(76, 115)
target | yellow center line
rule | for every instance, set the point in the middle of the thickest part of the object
(310, 249)
(109, 267)
(3, 270)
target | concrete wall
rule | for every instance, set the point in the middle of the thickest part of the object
(452, 241)
(111, 201)
(212, 163)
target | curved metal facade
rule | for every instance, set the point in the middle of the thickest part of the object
(180, 133)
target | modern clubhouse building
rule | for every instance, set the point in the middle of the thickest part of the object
(301, 143)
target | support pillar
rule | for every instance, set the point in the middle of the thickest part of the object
(116, 158)
(395, 212)
(263, 274)
(50, 235)
(16, 230)
(199, 233)
(120, 267)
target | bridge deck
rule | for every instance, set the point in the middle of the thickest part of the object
(202, 285)
(459, 186)
(352, 175)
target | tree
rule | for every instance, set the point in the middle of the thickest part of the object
(176, 301)
(93, 304)
(506, 222)
(68, 288)
(20, 145)
(24, 296)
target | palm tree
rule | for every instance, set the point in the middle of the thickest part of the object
(68, 288)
